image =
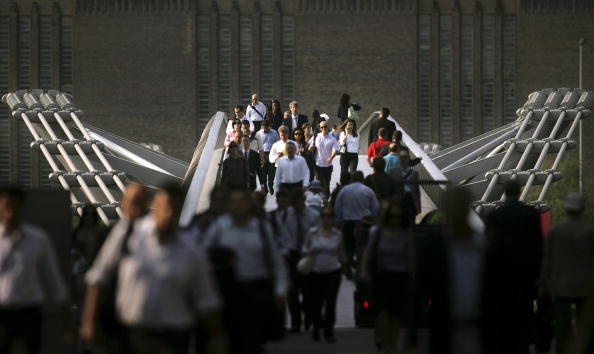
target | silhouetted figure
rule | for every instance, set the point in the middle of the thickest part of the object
(382, 184)
(512, 267)
(235, 174)
(568, 273)
(381, 122)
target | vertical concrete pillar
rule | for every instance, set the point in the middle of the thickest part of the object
(235, 45)
(456, 75)
(477, 86)
(499, 113)
(13, 123)
(256, 48)
(35, 161)
(213, 51)
(277, 38)
(435, 72)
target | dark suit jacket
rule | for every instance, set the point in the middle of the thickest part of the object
(254, 166)
(235, 174)
(389, 126)
(301, 119)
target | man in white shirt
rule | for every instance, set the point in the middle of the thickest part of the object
(29, 276)
(163, 282)
(256, 111)
(238, 114)
(279, 149)
(325, 147)
(292, 172)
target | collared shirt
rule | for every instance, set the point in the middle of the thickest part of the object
(325, 146)
(308, 218)
(355, 201)
(351, 142)
(295, 120)
(268, 138)
(230, 124)
(291, 171)
(280, 146)
(392, 161)
(246, 241)
(29, 272)
(327, 251)
(253, 115)
(160, 285)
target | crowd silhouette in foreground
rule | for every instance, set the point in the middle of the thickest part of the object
(240, 275)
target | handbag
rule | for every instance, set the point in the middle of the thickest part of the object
(305, 265)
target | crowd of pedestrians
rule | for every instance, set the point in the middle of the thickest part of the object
(231, 280)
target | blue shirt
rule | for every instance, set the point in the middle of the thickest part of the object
(392, 160)
(268, 138)
(355, 201)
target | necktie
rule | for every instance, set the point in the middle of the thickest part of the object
(285, 150)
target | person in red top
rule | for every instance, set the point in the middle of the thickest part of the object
(375, 148)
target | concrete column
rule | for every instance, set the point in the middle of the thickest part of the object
(456, 75)
(56, 14)
(277, 39)
(499, 64)
(235, 59)
(213, 51)
(13, 123)
(477, 86)
(435, 73)
(256, 48)
(35, 158)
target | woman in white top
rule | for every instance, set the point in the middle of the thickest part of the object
(324, 245)
(349, 146)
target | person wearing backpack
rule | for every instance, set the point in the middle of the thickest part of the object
(389, 264)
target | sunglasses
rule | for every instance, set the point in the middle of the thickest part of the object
(323, 127)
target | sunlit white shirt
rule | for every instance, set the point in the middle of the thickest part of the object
(293, 170)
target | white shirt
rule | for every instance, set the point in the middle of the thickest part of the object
(253, 115)
(325, 146)
(280, 146)
(159, 285)
(351, 142)
(291, 171)
(309, 218)
(29, 272)
(327, 252)
(246, 241)
(230, 124)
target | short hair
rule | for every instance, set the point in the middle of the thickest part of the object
(239, 107)
(291, 143)
(283, 128)
(265, 123)
(294, 103)
(385, 111)
(512, 189)
(358, 176)
(393, 147)
(245, 137)
(397, 135)
(176, 194)
(382, 132)
(379, 164)
(245, 122)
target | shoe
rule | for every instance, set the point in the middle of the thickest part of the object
(316, 335)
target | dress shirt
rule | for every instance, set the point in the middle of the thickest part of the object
(268, 138)
(325, 146)
(246, 242)
(327, 251)
(355, 201)
(280, 146)
(230, 124)
(351, 142)
(295, 122)
(291, 171)
(160, 285)
(29, 273)
(309, 218)
(253, 115)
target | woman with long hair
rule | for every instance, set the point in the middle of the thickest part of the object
(276, 115)
(324, 245)
(388, 263)
(343, 109)
(349, 145)
(300, 140)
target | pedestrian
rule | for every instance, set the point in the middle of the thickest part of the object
(240, 115)
(279, 149)
(314, 197)
(29, 276)
(407, 185)
(389, 263)
(298, 220)
(279, 226)
(163, 281)
(375, 147)
(512, 267)
(298, 138)
(255, 142)
(292, 173)
(276, 119)
(392, 159)
(343, 108)
(354, 202)
(236, 127)
(381, 122)
(324, 246)
(253, 162)
(348, 142)
(308, 155)
(396, 139)
(235, 172)
(335, 133)
(567, 273)
(325, 148)
(268, 137)
(256, 111)
(296, 120)
(257, 269)
(382, 184)
(345, 178)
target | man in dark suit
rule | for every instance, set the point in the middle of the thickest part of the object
(381, 122)
(253, 159)
(294, 120)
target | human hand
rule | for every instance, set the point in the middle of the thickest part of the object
(87, 331)
(329, 160)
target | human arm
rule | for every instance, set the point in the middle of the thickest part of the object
(277, 176)
(305, 171)
(274, 154)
